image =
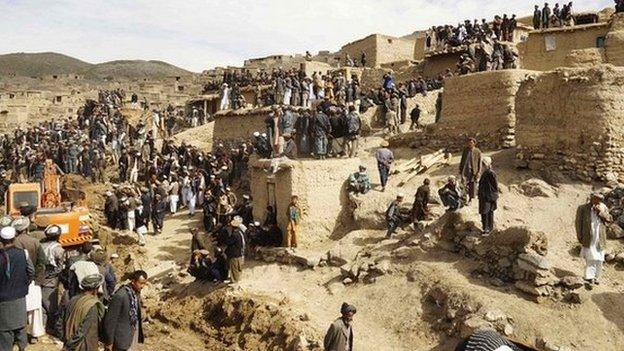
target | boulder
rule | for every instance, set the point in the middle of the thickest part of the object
(614, 231)
(533, 290)
(572, 282)
(536, 260)
(472, 324)
(495, 316)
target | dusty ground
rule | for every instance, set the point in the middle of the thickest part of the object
(394, 313)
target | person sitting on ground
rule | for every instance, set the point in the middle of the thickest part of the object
(274, 235)
(393, 215)
(451, 194)
(359, 182)
(420, 211)
(204, 267)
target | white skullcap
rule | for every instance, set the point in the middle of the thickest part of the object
(487, 161)
(7, 233)
(256, 134)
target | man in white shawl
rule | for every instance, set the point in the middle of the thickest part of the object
(591, 221)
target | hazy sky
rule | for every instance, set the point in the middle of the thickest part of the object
(199, 34)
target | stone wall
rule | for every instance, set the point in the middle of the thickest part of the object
(534, 55)
(321, 187)
(575, 117)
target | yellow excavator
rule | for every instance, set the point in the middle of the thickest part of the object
(72, 218)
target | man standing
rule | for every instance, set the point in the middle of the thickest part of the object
(235, 250)
(488, 195)
(36, 255)
(294, 216)
(158, 213)
(320, 129)
(384, 157)
(393, 215)
(354, 124)
(50, 288)
(537, 17)
(470, 167)
(591, 220)
(83, 315)
(545, 16)
(111, 207)
(415, 116)
(123, 325)
(339, 337)
(16, 273)
(420, 208)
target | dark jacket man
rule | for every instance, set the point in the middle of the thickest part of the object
(123, 317)
(419, 208)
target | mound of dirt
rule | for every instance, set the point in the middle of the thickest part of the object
(235, 321)
(200, 137)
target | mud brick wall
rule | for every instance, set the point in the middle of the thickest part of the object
(575, 117)
(533, 53)
(322, 190)
(480, 105)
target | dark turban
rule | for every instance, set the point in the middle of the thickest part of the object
(346, 308)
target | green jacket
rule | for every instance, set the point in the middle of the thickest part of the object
(583, 226)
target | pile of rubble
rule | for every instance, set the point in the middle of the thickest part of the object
(515, 256)
(458, 314)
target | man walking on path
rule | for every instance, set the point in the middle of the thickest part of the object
(384, 157)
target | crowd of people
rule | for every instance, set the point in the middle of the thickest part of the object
(476, 180)
(288, 87)
(487, 56)
(442, 38)
(71, 294)
(551, 18)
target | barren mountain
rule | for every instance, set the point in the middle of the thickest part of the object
(39, 64)
(48, 63)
